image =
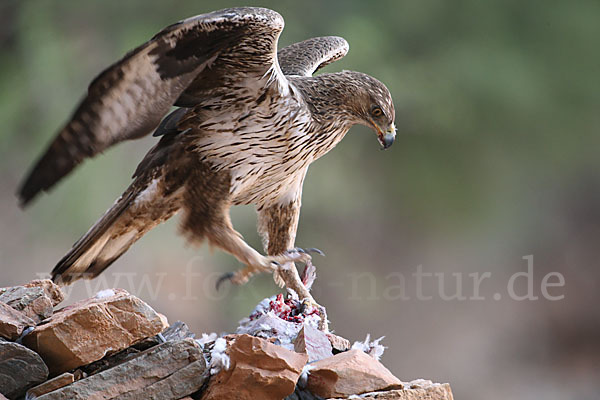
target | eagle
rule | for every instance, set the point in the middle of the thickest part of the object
(248, 122)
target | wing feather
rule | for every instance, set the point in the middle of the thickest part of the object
(129, 98)
(306, 57)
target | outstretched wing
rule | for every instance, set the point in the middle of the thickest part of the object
(129, 98)
(306, 57)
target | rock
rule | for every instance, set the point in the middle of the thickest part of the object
(88, 330)
(302, 394)
(338, 343)
(314, 343)
(258, 370)
(52, 290)
(51, 385)
(177, 331)
(13, 322)
(348, 373)
(32, 302)
(79, 374)
(35, 299)
(110, 361)
(182, 382)
(168, 371)
(432, 391)
(20, 369)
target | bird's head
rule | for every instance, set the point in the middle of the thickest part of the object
(373, 107)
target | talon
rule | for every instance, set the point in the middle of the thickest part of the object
(225, 277)
(315, 250)
(295, 250)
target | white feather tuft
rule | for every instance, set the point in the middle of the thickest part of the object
(375, 349)
(303, 379)
(207, 338)
(105, 293)
(218, 358)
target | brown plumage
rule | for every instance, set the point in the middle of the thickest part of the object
(251, 122)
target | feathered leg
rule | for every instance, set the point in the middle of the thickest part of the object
(206, 216)
(278, 225)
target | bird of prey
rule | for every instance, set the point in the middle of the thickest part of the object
(250, 121)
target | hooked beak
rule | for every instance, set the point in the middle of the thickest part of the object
(386, 139)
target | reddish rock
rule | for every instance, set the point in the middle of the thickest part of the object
(20, 369)
(92, 328)
(258, 370)
(314, 343)
(13, 322)
(168, 371)
(430, 391)
(39, 309)
(51, 385)
(35, 299)
(338, 343)
(348, 373)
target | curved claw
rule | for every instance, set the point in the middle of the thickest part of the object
(315, 250)
(225, 277)
(307, 251)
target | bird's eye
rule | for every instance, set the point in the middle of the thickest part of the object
(377, 111)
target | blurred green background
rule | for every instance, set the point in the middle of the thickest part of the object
(498, 116)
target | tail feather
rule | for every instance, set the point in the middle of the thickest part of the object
(153, 197)
(96, 249)
(133, 215)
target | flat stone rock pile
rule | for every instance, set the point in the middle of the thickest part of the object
(114, 345)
